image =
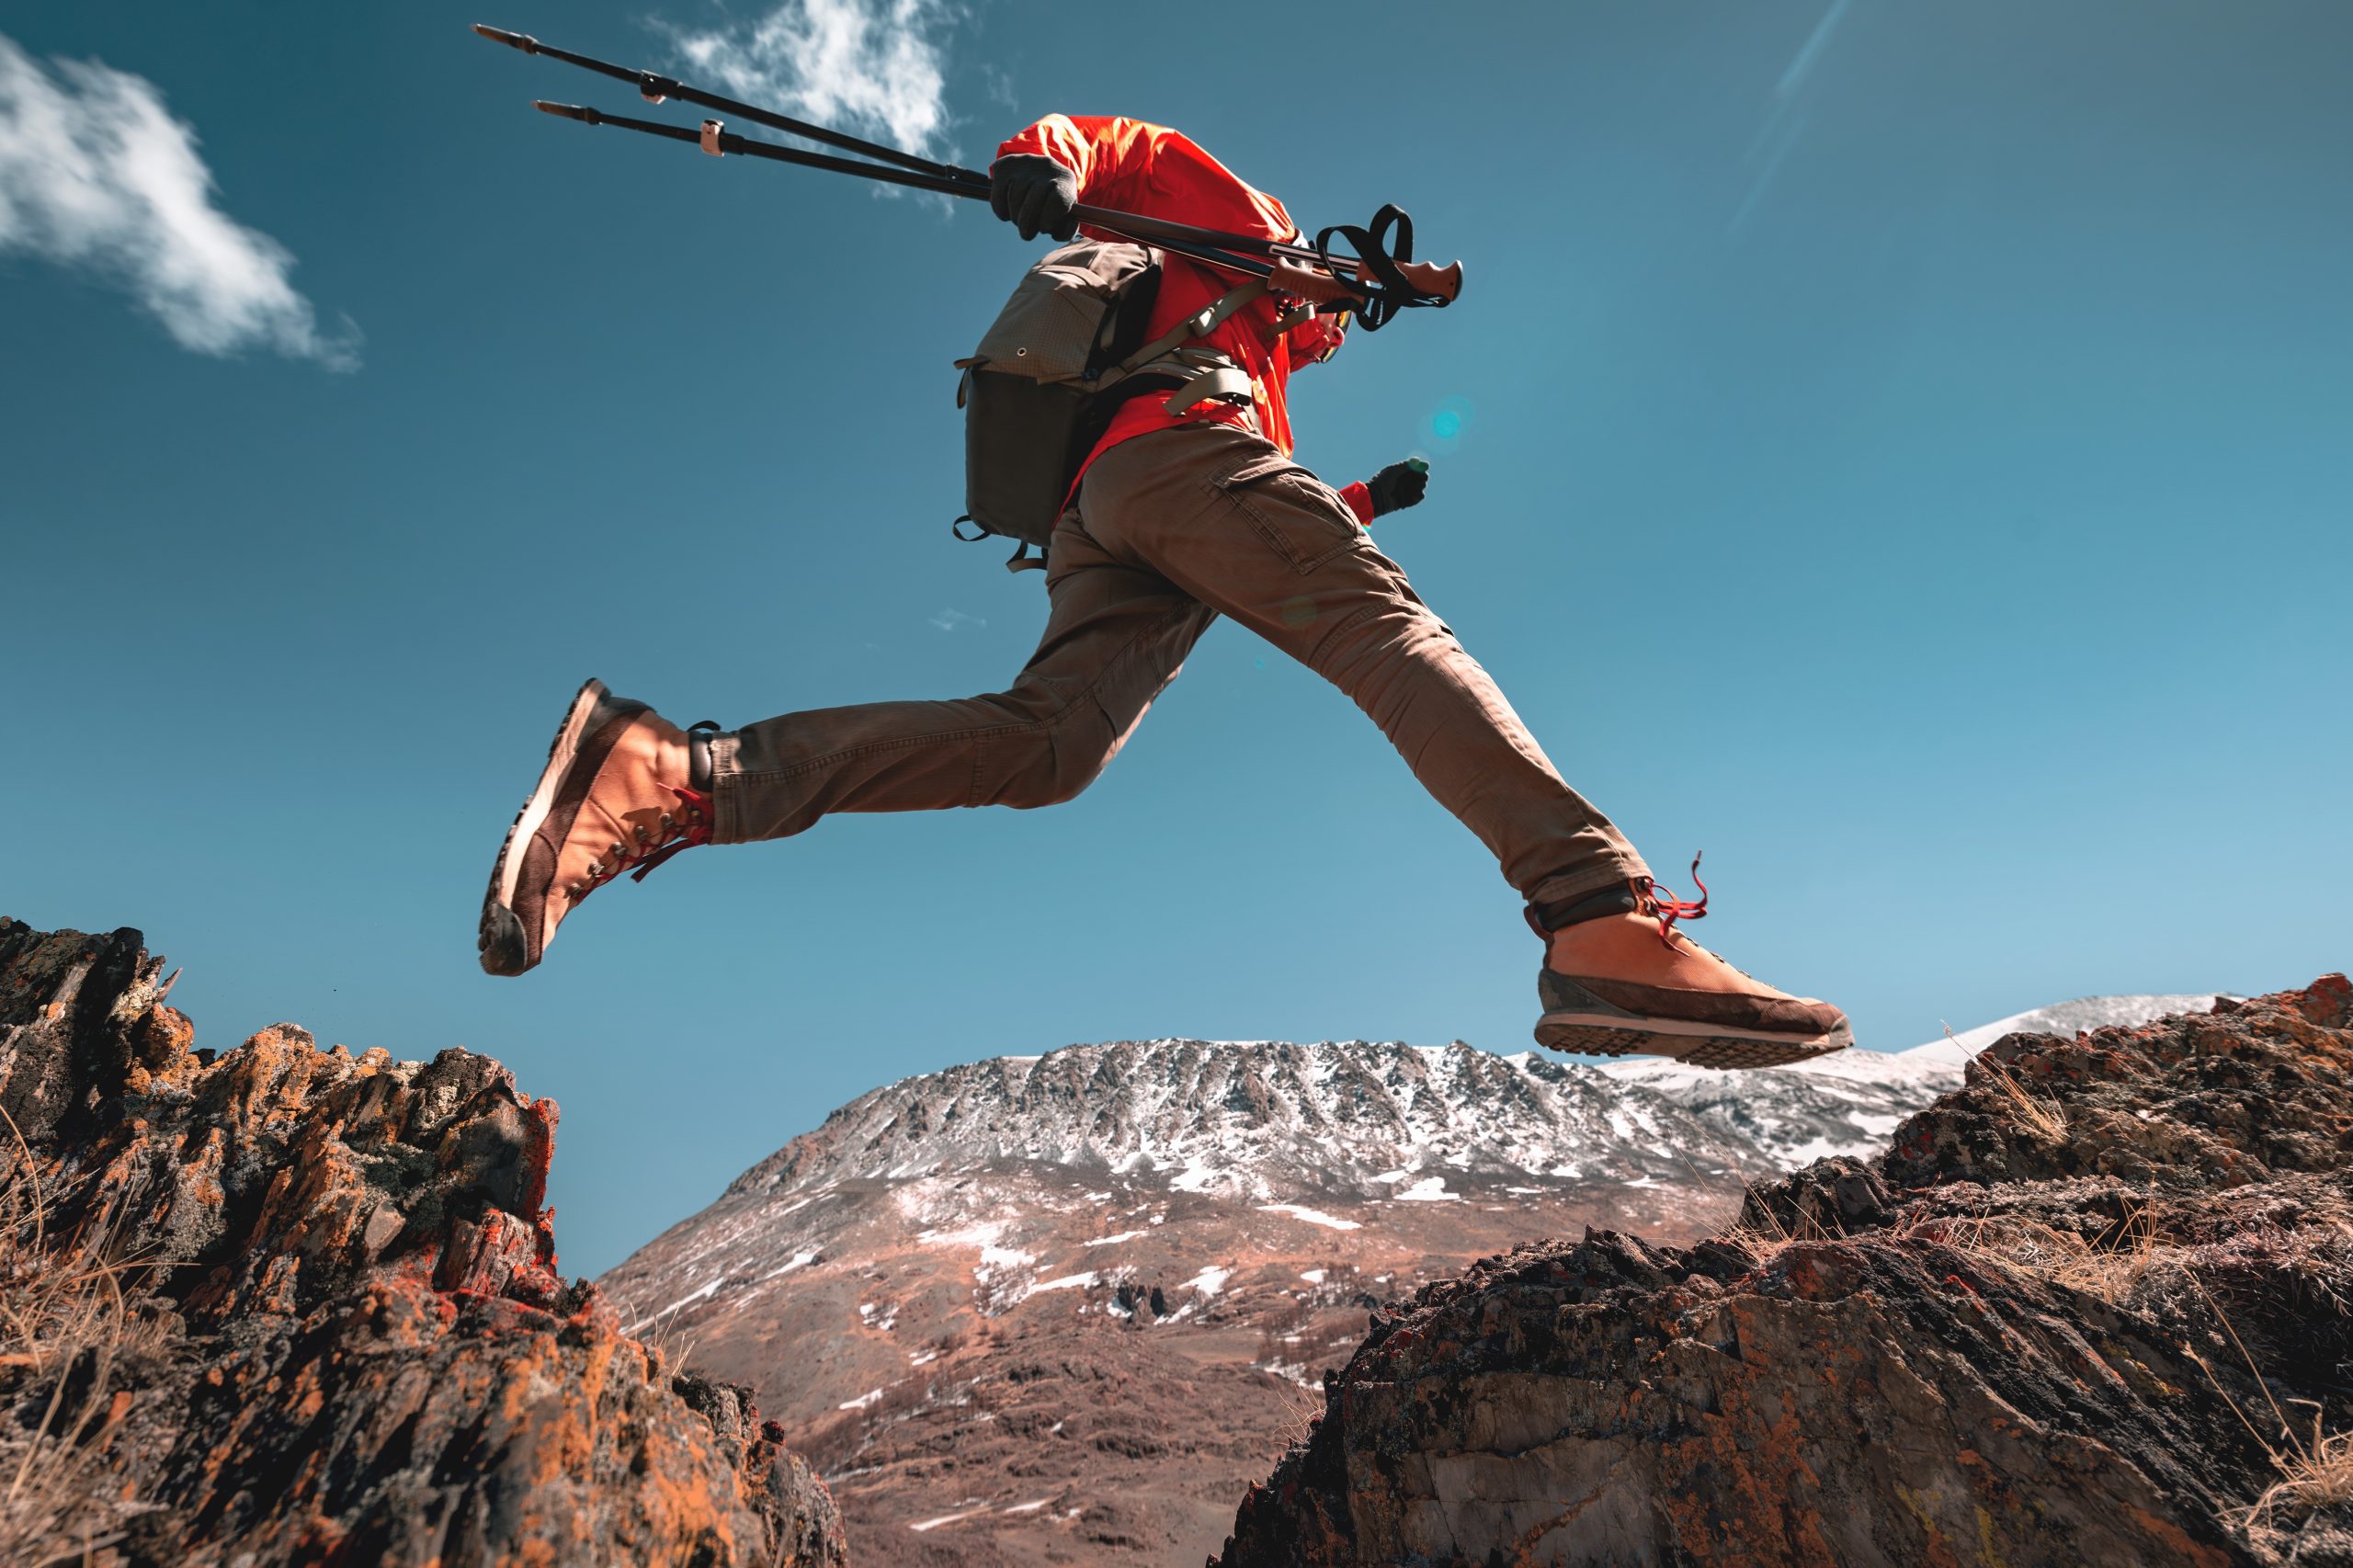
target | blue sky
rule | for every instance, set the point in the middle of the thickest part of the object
(1904, 451)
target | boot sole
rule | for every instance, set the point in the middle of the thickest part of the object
(1701, 1045)
(504, 946)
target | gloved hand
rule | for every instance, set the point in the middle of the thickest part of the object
(1398, 486)
(1034, 193)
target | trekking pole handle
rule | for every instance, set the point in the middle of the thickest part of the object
(1303, 281)
(1429, 277)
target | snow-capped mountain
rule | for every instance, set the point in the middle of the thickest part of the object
(1258, 1120)
(1264, 1119)
(1048, 1305)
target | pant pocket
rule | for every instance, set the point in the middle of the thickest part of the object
(1302, 518)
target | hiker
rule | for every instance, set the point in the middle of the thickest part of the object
(1176, 519)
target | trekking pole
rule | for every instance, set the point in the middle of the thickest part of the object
(653, 87)
(1387, 278)
(716, 138)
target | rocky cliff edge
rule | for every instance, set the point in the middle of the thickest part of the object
(2090, 1309)
(285, 1305)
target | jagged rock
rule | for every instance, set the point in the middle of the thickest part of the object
(357, 1349)
(2068, 1317)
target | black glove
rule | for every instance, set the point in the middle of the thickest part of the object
(1034, 193)
(1398, 486)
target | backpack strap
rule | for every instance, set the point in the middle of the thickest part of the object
(1206, 374)
(1208, 377)
(1200, 323)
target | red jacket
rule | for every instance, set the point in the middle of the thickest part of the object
(1130, 166)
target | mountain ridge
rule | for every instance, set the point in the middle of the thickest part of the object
(1173, 1102)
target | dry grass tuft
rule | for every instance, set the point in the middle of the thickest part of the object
(1763, 1243)
(66, 1328)
(2043, 1114)
(2112, 1266)
(2318, 1475)
(671, 1345)
(1302, 1409)
(2116, 1265)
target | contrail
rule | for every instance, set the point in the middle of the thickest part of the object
(1786, 123)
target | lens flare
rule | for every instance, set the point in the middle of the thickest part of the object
(1446, 424)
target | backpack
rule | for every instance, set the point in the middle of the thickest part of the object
(1061, 356)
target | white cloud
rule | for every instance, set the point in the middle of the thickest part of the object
(874, 68)
(950, 620)
(95, 174)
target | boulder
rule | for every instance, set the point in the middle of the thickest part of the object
(289, 1305)
(2092, 1308)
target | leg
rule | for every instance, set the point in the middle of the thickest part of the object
(622, 791)
(1236, 524)
(1114, 637)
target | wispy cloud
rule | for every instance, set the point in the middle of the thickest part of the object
(875, 68)
(955, 620)
(95, 174)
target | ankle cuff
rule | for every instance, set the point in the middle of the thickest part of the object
(698, 756)
(1546, 918)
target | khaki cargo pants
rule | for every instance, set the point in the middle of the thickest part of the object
(1173, 530)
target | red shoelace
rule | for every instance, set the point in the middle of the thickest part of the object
(698, 831)
(1670, 909)
(649, 853)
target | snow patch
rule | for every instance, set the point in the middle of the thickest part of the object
(710, 1289)
(1199, 1176)
(1316, 1216)
(1429, 1189)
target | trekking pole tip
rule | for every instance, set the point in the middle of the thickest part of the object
(523, 41)
(569, 111)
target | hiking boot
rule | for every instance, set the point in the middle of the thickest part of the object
(1620, 981)
(618, 792)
